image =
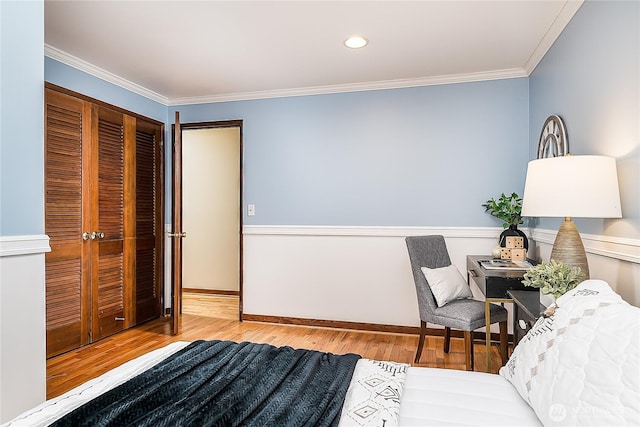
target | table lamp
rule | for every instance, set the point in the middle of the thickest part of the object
(571, 186)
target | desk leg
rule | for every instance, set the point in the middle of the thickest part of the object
(487, 326)
(515, 325)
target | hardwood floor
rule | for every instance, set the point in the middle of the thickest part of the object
(215, 317)
(207, 305)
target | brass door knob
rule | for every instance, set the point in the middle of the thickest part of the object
(178, 235)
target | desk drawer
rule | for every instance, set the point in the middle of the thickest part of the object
(494, 283)
(497, 287)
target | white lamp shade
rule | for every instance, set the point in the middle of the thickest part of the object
(572, 186)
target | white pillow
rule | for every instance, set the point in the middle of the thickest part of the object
(580, 366)
(447, 284)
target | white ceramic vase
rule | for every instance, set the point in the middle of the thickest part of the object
(495, 253)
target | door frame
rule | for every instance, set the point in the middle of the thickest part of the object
(176, 226)
(218, 125)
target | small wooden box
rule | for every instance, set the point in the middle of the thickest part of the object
(515, 242)
(505, 253)
(518, 254)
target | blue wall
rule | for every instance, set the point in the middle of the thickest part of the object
(381, 158)
(21, 119)
(416, 156)
(404, 157)
(591, 77)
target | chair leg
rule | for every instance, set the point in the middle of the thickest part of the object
(423, 332)
(447, 339)
(468, 349)
(504, 342)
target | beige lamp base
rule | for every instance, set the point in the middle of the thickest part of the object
(568, 247)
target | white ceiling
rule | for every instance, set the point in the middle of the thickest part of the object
(179, 52)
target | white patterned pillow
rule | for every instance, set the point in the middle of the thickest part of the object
(373, 397)
(581, 365)
(447, 284)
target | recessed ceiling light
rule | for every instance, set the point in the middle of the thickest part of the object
(356, 42)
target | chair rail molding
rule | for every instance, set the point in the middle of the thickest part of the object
(620, 248)
(373, 231)
(24, 245)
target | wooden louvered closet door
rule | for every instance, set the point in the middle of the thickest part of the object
(109, 266)
(103, 180)
(67, 125)
(149, 224)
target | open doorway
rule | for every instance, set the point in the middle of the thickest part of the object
(212, 219)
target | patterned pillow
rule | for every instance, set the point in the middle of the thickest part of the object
(373, 397)
(447, 284)
(581, 365)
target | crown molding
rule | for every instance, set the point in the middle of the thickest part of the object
(562, 19)
(564, 16)
(98, 72)
(102, 74)
(355, 87)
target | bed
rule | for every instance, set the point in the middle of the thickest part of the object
(578, 366)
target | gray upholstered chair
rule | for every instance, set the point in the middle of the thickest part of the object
(462, 314)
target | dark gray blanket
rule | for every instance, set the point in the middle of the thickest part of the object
(222, 383)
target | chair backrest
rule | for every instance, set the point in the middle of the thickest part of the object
(430, 252)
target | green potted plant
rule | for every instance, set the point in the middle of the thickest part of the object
(552, 278)
(509, 210)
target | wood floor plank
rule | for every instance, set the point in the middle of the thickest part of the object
(215, 317)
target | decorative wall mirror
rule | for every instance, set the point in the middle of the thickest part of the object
(553, 138)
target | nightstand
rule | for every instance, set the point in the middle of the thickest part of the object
(526, 310)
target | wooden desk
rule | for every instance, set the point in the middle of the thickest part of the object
(494, 285)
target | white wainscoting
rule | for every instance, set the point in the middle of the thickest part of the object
(22, 324)
(362, 274)
(612, 259)
(352, 274)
